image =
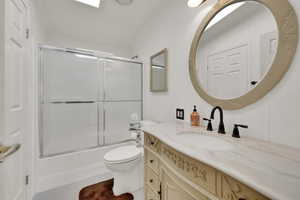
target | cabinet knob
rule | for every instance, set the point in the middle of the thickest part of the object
(152, 143)
(151, 161)
(151, 180)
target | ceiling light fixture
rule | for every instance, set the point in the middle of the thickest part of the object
(93, 3)
(124, 2)
(224, 13)
(194, 3)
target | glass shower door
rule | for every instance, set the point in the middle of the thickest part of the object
(86, 101)
(123, 89)
(122, 81)
(71, 102)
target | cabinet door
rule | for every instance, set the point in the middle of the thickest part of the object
(117, 119)
(70, 76)
(69, 127)
(123, 81)
(175, 189)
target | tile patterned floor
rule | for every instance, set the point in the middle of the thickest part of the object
(102, 191)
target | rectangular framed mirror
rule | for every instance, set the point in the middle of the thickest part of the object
(159, 72)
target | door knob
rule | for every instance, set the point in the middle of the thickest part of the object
(9, 151)
(253, 82)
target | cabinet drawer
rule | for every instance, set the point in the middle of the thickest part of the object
(150, 195)
(152, 180)
(231, 189)
(151, 161)
(152, 142)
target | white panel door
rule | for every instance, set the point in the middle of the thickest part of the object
(71, 76)
(12, 170)
(229, 68)
(69, 127)
(117, 118)
(122, 81)
(269, 43)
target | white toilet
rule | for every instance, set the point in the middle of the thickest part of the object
(126, 165)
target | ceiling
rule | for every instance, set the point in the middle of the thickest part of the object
(111, 23)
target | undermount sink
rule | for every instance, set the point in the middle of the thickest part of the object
(199, 141)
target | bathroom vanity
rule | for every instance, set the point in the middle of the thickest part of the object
(186, 163)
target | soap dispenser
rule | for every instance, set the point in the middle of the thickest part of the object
(195, 117)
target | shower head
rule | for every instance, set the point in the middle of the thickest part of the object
(124, 2)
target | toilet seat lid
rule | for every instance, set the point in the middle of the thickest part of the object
(122, 154)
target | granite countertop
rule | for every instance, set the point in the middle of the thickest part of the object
(271, 169)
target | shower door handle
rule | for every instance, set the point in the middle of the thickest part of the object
(104, 120)
(71, 102)
(78, 102)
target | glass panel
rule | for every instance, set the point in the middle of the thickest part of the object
(71, 76)
(123, 81)
(69, 127)
(117, 120)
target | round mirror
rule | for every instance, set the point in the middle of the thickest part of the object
(235, 56)
(236, 50)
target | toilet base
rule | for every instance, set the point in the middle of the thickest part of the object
(128, 182)
(139, 195)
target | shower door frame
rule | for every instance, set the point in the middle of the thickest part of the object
(41, 96)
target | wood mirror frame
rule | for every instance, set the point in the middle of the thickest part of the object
(287, 23)
(164, 51)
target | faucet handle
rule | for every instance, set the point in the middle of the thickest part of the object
(236, 132)
(209, 125)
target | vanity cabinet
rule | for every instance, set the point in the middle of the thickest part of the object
(171, 175)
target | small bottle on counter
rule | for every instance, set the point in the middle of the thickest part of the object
(195, 117)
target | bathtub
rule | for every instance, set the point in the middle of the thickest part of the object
(58, 171)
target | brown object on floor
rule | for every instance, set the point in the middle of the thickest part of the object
(102, 191)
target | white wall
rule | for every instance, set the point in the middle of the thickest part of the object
(274, 118)
(56, 39)
(61, 40)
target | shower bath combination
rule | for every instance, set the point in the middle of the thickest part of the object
(85, 100)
